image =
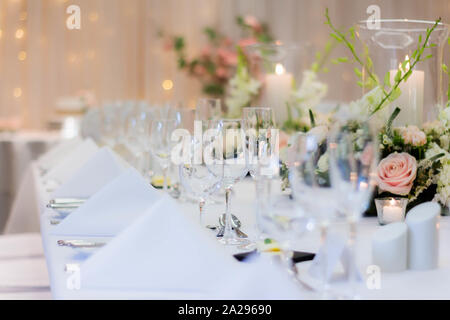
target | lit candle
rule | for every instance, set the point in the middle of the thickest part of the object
(411, 99)
(276, 93)
(393, 212)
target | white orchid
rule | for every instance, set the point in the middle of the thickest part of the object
(310, 92)
(242, 90)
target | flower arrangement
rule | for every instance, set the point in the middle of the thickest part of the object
(216, 63)
(415, 162)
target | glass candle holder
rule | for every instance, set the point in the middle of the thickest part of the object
(391, 210)
(391, 43)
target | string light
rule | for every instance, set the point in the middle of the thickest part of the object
(20, 33)
(17, 92)
(22, 55)
(93, 16)
(167, 85)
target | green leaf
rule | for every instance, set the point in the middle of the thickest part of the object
(343, 59)
(179, 43)
(357, 72)
(444, 68)
(398, 76)
(391, 120)
(387, 79)
(311, 118)
(336, 37)
(395, 94)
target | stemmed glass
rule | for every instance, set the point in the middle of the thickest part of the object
(311, 188)
(161, 143)
(136, 136)
(208, 109)
(235, 159)
(262, 142)
(353, 150)
(201, 170)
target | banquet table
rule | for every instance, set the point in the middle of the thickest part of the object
(17, 151)
(432, 284)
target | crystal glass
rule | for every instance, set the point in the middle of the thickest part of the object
(136, 136)
(161, 143)
(353, 153)
(393, 42)
(208, 109)
(235, 159)
(201, 171)
(308, 177)
(391, 210)
(262, 143)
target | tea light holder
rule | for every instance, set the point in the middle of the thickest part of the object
(391, 210)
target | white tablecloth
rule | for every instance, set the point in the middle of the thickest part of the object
(17, 151)
(23, 271)
(432, 284)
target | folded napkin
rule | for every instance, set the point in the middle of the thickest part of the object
(71, 162)
(112, 208)
(103, 167)
(162, 251)
(51, 158)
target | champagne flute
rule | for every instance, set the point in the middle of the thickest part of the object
(208, 109)
(262, 143)
(201, 172)
(161, 143)
(311, 188)
(354, 156)
(235, 159)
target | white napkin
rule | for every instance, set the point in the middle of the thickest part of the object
(98, 171)
(112, 208)
(71, 162)
(162, 251)
(51, 158)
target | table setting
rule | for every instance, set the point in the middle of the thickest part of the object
(264, 186)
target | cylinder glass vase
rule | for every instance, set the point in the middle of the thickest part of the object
(278, 66)
(391, 42)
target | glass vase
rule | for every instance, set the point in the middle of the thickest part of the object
(278, 66)
(389, 44)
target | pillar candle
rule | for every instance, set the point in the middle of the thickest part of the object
(423, 238)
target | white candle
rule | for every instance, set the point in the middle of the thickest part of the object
(423, 237)
(276, 92)
(411, 99)
(393, 212)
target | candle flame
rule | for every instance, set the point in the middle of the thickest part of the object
(392, 202)
(279, 69)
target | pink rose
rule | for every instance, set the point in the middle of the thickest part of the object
(221, 73)
(396, 173)
(413, 135)
(228, 57)
(253, 23)
(199, 70)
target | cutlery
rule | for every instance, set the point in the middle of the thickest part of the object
(236, 224)
(67, 201)
(80, 243)
(63, 206)
(54, 222)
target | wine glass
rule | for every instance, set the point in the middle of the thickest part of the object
(208, 109)
(310, 184)
(262, 143)
(161, 143)
(136, 136)
(353, 150)
(235, 159)
(201, 171)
